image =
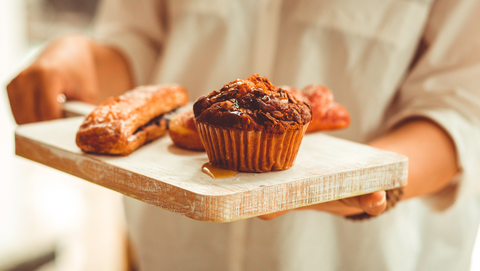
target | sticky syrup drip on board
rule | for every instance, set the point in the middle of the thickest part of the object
(216, 172)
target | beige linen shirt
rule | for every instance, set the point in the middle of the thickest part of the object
(385, 61)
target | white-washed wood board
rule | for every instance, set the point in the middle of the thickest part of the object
(327, 168)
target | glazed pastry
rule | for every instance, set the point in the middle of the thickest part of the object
(296, 93)
(327, 115)
(251, 125)
(183, 132)
(122, 124)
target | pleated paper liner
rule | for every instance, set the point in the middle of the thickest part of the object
(250, 151)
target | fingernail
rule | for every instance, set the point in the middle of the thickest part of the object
(378, 203)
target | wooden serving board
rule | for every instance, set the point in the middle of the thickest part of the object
(327, 168)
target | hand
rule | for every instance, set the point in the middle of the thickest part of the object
(372, 204)
(74, 66)
(65, 67)
(432, 165)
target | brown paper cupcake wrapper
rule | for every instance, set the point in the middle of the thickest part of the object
(250, 151)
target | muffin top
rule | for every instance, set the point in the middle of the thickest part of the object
(252, 104)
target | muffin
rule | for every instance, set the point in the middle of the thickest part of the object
(252, 126)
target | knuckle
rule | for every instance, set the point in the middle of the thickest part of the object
(10, 87)
(38, 72)
(41, 73)
(16, 85)
(13, 90)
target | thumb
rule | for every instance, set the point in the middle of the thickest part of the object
(375, 203)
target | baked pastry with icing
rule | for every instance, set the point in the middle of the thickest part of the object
(327, 114)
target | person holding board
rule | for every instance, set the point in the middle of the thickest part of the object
(407, 71)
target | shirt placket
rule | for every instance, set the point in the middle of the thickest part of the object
(266, 36)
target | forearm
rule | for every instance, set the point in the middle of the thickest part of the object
(430, 151)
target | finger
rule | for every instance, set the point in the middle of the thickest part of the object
(20, 94)
(370, 203)
(343, 207)
(375, 203)
(273, 215)
(49, 87)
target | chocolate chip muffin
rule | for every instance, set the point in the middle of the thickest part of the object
(250, 125)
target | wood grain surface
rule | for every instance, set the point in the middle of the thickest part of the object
(327, 168)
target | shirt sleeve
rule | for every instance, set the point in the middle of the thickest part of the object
(444, 86)
(133, 27)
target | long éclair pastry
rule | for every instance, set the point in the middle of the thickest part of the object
(124, 123)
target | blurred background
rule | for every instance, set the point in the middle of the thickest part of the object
(50, 220)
